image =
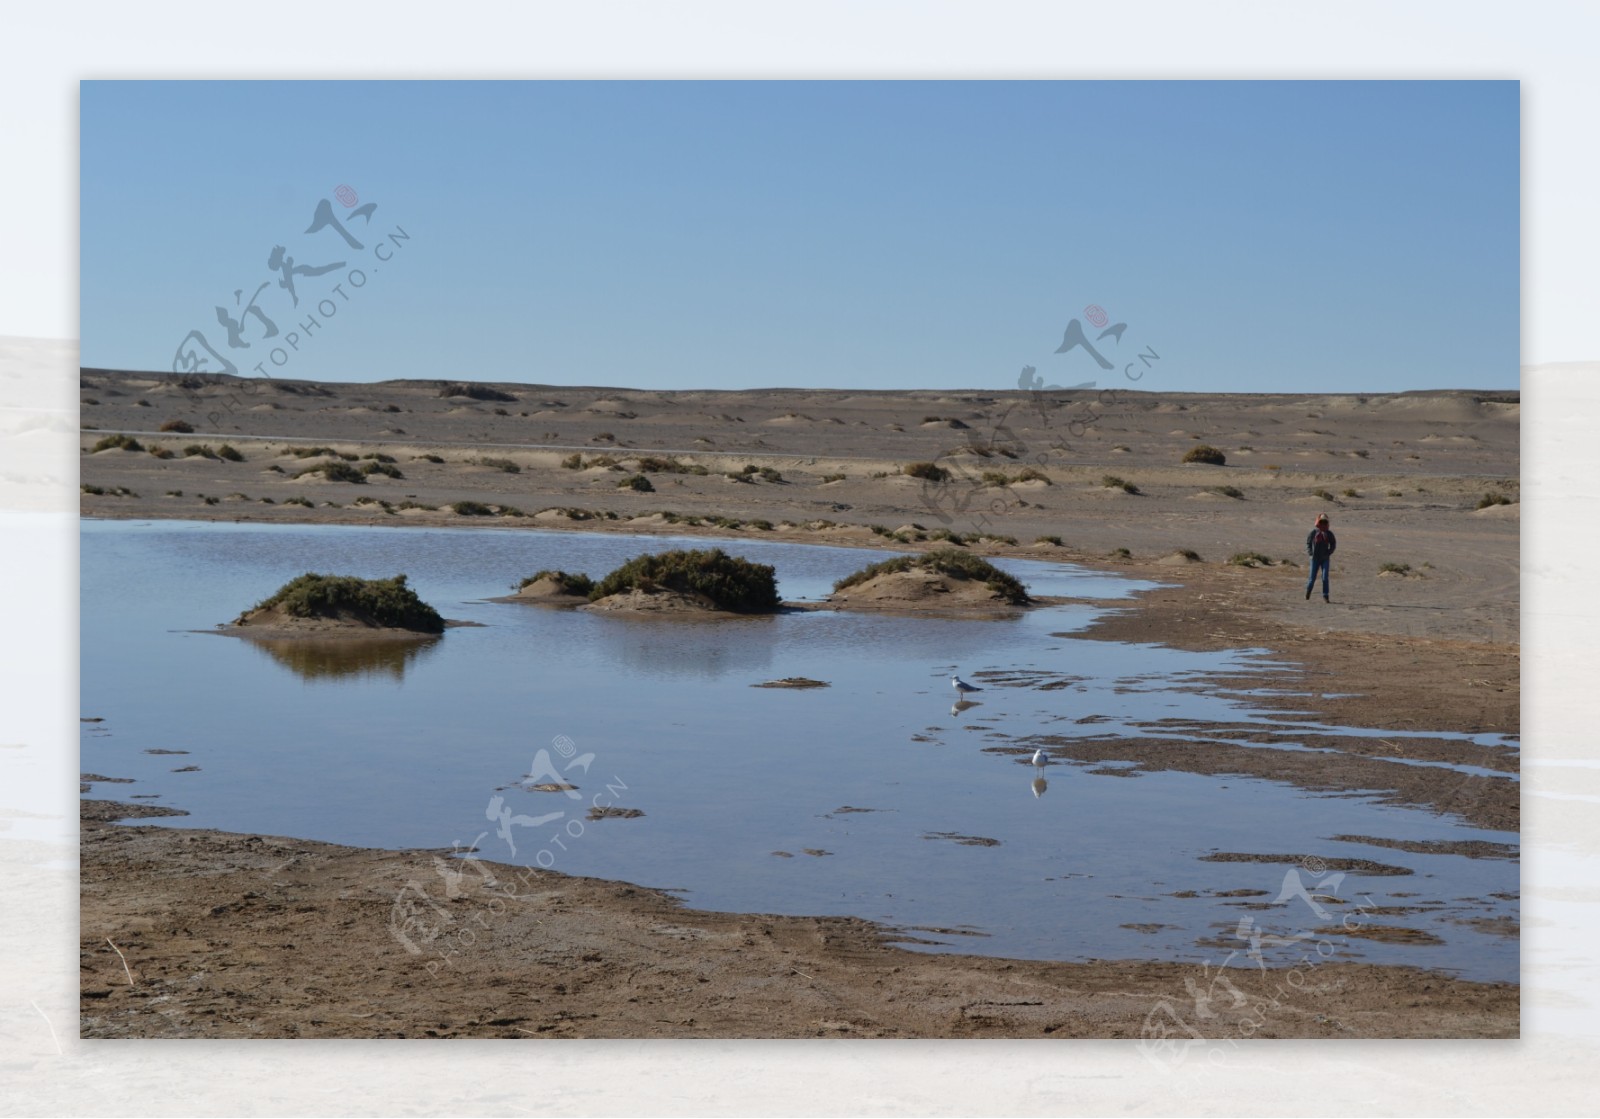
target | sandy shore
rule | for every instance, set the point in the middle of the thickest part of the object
(252, 936)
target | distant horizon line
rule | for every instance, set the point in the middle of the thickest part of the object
(220, 378)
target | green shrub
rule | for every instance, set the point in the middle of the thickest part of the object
(950, 562)
(636, 482)
(770, 475)
(763, 525)
(87, 488)
(475, 392)
(1493, 498)
(602, 437)
(1206, 454)
(226, 451)
(573, 461)
(927, 471)
(200, 450)
(1249, 559)
(568, 582)
(1056, 540)
(471, 509)
(183, 427)
(1395, 568)
(1122, 553)
(289, 500)
(371, 468)
(161, 453)
(117, 442)
(378, 456)
(1189, 554)
(378, 602)
(880, 530)
(338, 471)
(436, 459)
(418, 505)
(1351, 493)
(1112, 482)
(728, 581)
(1396, 493)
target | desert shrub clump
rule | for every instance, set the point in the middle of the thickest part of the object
(732, 583)
(182, 426)
(927, 471)
(569, 582)
(336, 471)
(1493, 498)
(475, 392)
(946, 561)
(379, 602)
(1206, 454)
(117, 443)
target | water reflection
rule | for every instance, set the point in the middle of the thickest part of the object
(681, 647)
(1039, 786)
(961, 705)
(317, 661)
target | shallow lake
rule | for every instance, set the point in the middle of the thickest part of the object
(872, 797)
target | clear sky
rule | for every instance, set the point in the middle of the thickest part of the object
(1257, 236)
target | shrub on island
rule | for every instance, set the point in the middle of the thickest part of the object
(728, 582)
(950, 562)
(385, 603)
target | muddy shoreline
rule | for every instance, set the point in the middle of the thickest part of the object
(247, 936)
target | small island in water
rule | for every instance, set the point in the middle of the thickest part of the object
(330, 606)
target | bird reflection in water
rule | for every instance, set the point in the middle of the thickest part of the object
(316, 661)
(961, 705)
(1039, 786)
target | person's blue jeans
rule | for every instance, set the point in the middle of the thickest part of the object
(1322, 565)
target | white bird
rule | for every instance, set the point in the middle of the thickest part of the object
(1040, 758)
(961, 686)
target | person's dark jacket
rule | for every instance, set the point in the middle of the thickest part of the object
(1328, 545)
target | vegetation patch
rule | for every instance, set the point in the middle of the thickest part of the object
(1227, 491)
(117, 443)
(927, 471)
(1493, 498)
(475, 392)
(949, 562)
(729, 582)
(1249, 559)
(1206, 454)
(182, 426)
(388, 603)
(637, 482)
(566, 581)
(1112, 482)
(337, 471)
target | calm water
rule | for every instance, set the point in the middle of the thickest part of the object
(425, 746)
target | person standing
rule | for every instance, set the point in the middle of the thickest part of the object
(1320, 544)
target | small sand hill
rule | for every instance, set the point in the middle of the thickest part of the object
(944, 581)
(658, 602)
(277, 622)
(550, 589)
(916, 590)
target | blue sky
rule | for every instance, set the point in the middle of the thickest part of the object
(1258, 236)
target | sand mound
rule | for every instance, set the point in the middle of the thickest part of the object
(920, 591)
(1178, 559)
(275, 622)
(657, 602)
(1512, 511)
(550, 590)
